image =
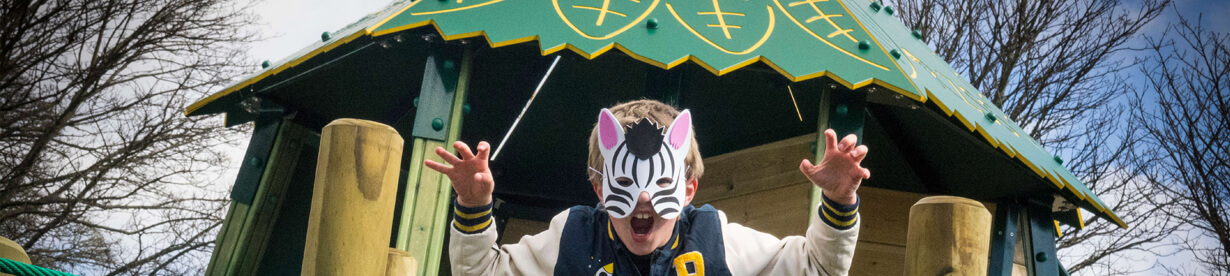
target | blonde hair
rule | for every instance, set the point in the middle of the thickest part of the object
(631, 112)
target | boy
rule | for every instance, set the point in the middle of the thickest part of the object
(645, 174)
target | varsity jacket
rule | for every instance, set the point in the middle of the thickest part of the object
(580, 241)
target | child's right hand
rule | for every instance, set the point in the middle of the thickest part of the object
(470, 175)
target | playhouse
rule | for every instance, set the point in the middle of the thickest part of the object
(761, 78)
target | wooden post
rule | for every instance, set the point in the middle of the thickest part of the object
(401, 264)
(948, 235)
(352, 201)
(12, 251)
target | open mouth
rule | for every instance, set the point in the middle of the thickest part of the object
(641, 224)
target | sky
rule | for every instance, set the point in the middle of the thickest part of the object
(290, 25)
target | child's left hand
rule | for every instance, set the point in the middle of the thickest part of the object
(839, 173)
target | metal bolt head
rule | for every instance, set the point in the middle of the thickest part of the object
(895, 53)
(652, 23)
(1041, 257)
(917, 34)
(465, 109)
(991, 117)
(875, 6)
(864, 45)
(437, 124)
(1059, 160)
(251, 105)
(888, 10)
(842, 109)
(325, 36)
(449, 65)
(416, 101)
(265, 64)
(255, 161)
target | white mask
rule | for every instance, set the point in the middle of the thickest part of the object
(639, 159)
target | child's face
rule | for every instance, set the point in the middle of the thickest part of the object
(643, 230)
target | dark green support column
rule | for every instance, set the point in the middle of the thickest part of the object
(268, 121)
(1003, 239)
(842, 110)
(847, 109)
(436, 96)
(1040, 245)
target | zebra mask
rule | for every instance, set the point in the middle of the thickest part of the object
(644, 159)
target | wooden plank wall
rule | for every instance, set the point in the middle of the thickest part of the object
(762, 188)
(518, 228)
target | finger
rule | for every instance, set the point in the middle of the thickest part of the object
(448, 157)
(830, 140)
(806, 166)
(866, 173)
(484, 150)
(478, 177)
(463, 150)
(445, 169)
(859, 153)
(847, 143)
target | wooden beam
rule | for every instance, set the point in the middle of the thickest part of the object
(1003, 240)
(428, 197)
(1040, 243)
(246, 229)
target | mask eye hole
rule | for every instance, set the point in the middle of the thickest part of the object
(623, 181)
(664, 182)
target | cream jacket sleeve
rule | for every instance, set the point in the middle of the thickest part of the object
(478, 254)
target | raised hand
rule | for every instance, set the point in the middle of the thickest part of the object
(839, 173)
(470, 175)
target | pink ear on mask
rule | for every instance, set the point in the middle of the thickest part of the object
(608, 134)
(679, 129)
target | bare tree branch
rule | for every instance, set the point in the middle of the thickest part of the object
(1184, 110)
(1056, 67)
(99, 170)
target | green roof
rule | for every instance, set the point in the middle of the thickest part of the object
(855, 43)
